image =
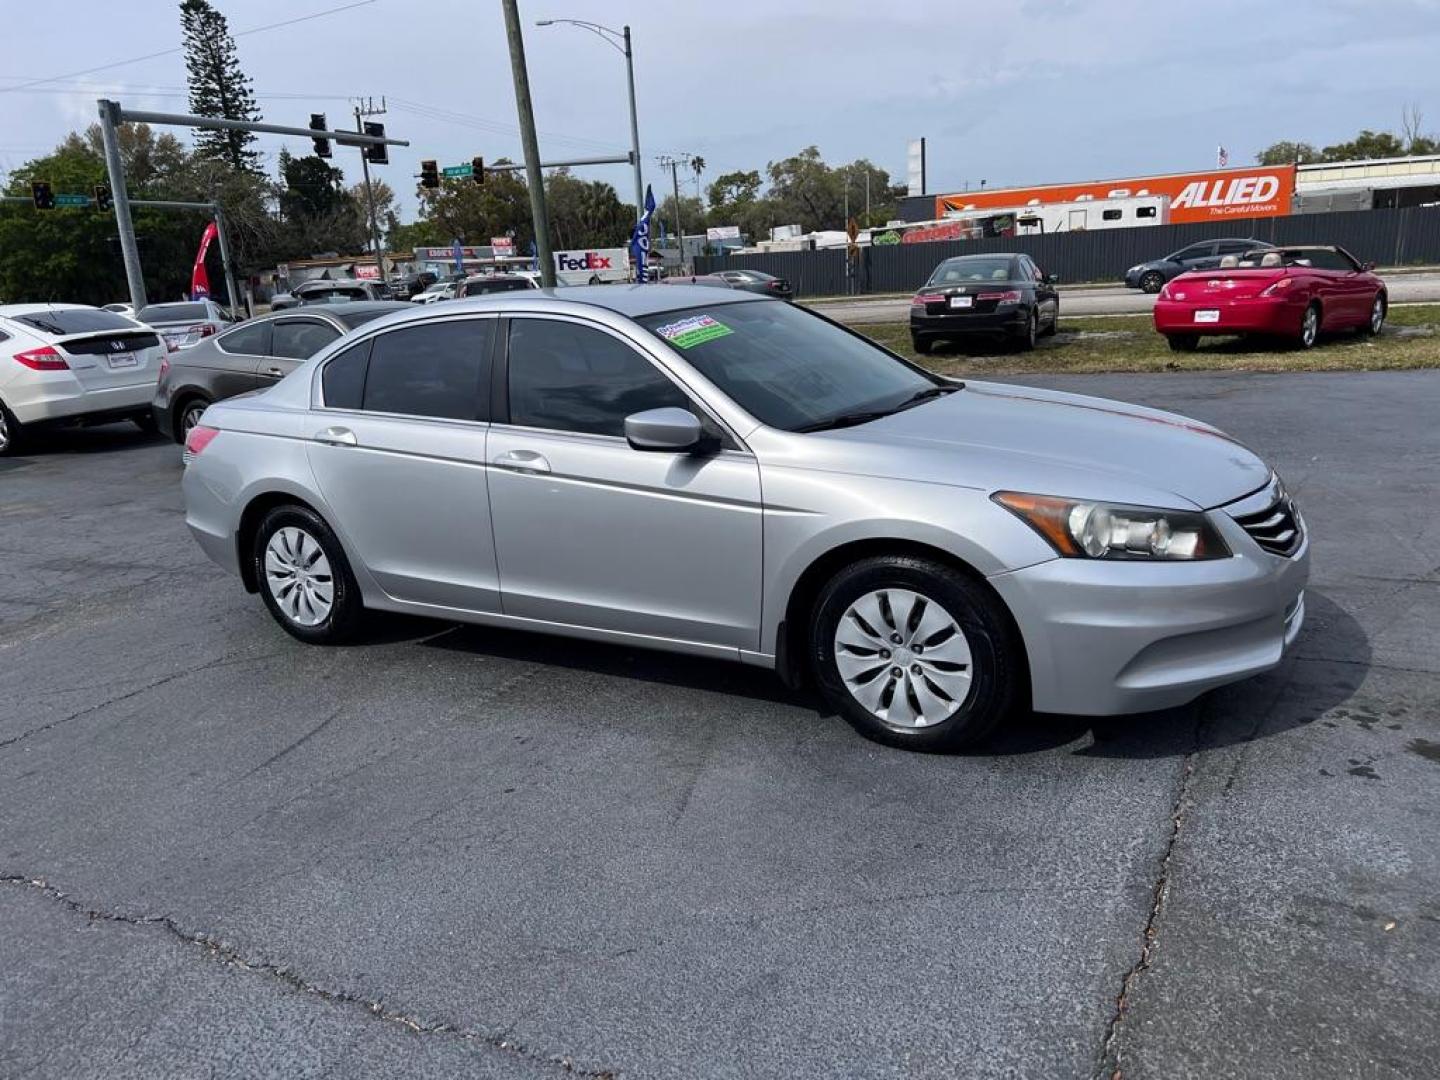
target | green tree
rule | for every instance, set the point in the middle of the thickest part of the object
(1368, 144)
(473, 213)
(1288, 153)
(692, 216)
(585, 214)
(317, 211)
(218, 87)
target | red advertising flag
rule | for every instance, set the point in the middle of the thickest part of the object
(199, 280)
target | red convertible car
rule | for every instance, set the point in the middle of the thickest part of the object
(1289, 292)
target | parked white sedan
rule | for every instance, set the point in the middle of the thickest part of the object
(68, 363)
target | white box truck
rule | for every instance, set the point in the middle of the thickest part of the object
(594, 267)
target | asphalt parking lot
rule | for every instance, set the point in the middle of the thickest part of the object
(454, 851)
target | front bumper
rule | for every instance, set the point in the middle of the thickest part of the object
(1251, 315)
(1105, 638)
(1006, 320)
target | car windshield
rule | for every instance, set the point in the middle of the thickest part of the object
(173, 313)
(970, 268)
(788, 367)
(62, 321)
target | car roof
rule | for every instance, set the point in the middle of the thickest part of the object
(378, 307)
(11, 310)
(983, 255)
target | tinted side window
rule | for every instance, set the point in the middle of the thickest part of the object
(252, 340)
(438, 370)
(343, 379)
(1328, 260)
(567, 377)
(1198, 251)
(301, 339)
(1235, 247)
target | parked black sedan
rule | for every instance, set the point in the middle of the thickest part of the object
(251, 356)
(757, 281)
(999, 295)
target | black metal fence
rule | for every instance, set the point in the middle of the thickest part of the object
(1387, 237)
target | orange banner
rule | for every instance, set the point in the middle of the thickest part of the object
(1263, 191)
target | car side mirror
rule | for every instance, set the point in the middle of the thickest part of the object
(1052, 279)
(671, 429)
(1368, 267)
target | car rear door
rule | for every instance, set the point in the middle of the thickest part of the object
(226, 366)
(591, 532)
(398, 451)
(294, 340)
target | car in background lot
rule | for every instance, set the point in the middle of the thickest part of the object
(440, 290)
(251, 357)
(1150, 276)
(73, 364)
(336, 291)
(710, 472)
(185, 323)
(757, 281)
(485, 284)
(1004, 295)
(1296, 293)
(128, 310)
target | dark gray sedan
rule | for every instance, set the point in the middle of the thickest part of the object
(251, 356)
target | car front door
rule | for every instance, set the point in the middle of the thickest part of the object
(398, 450)
(591, 532)
(1047, 297)
(293, 341)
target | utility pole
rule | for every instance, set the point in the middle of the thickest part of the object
(361, 111)
(529, 143)
(673, 164)
(120, 198)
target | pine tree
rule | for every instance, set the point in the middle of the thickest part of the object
(217, 86)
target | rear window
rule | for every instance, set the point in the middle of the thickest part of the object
(958, 271)
(173, 313)
(353, 319)
(62, 321)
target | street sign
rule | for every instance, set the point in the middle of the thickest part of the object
(72, 200)
(459, 170)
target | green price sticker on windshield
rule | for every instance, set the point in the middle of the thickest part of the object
(687, 333)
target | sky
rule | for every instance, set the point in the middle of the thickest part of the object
(1028, 91)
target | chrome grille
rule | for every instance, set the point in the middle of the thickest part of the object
(1277, 528)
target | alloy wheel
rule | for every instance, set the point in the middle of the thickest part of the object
(903, 657)
(1309, 326)
(191, 417)
(1377, 315)
(4, 432)
(297, 573)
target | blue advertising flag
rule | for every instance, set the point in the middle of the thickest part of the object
(640, 239)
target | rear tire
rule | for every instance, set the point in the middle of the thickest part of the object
(963, 666)
(305, 578)
(1026, 341)
(11, 432)
(921, 345)
(187, 415)
(1152, 281)
(1183, 342)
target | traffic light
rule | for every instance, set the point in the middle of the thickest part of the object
(429, 174)
(317, 123)
(44, 197)
(477, 170)
(103, 200)
(376, 153)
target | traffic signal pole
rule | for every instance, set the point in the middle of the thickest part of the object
(369, 192)
(120, 199)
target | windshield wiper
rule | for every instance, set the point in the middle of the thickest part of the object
(929, 394)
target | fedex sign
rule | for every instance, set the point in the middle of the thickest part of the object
(585, 267)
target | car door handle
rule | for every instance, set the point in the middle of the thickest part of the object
(275, 372)
(337, 436)
(525, 461)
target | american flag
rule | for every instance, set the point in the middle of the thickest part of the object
(1222, 157)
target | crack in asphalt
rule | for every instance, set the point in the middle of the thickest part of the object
(230, 957)
(224, 661)
(1110, 1062)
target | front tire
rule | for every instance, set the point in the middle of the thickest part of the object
(915, 654)
(305, 578)
(1309, 327)
(1054, 325)
(1378, 310)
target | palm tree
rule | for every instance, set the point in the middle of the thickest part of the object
(698, 164)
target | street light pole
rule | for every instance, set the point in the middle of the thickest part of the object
(605, 34)
(533, 176)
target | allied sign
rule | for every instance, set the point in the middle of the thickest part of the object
(1260, 191)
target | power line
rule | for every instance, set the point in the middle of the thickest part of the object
(172, 52)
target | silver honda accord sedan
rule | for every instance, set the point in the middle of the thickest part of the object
(732, 476)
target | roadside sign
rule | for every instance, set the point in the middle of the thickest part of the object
(72, 200)
(503, 245)
(852, 229)
(459, 170)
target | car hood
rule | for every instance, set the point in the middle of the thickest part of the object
(994, 436)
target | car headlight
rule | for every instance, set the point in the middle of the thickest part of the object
(1079, 529)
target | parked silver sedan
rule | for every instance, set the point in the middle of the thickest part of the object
(712, 472)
